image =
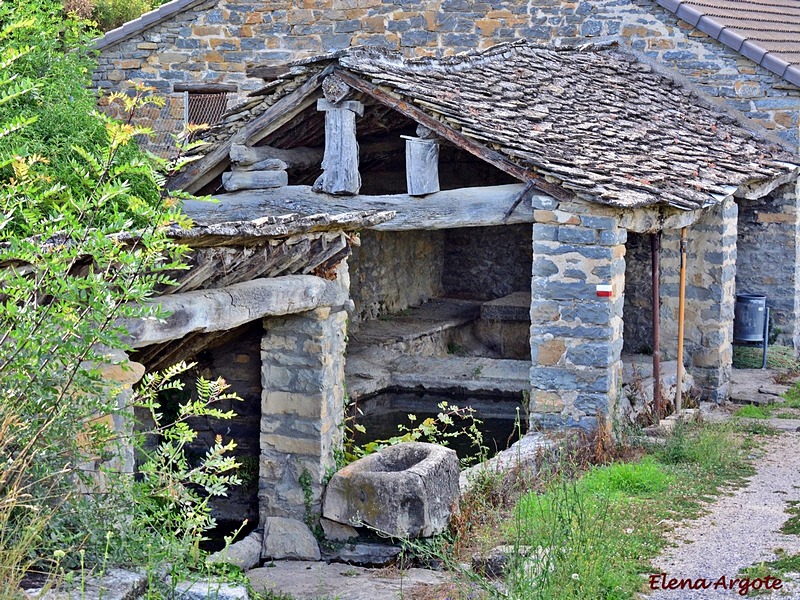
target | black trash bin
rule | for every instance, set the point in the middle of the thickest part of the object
(751, 321)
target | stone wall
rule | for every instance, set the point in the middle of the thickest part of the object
(576, 336)
(766, 260)
(710, 291)
(485, 263)
(215, 41)
(638, 309)
(392, 271)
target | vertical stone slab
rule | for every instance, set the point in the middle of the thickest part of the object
(768, 235)
(710, 297)
(576, 335)
(302, 409)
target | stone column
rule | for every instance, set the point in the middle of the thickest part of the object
(302, 410)
(710, 296)
(576, 335)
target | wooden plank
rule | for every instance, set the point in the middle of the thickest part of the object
(199, 173)
(204, 88)
(490, 156)
(422, 166)
(464, 207)
(269, 73)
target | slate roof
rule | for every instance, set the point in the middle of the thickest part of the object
(765, 31)
(596, 121)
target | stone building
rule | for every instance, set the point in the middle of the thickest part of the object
(497, 195)
(741, 52)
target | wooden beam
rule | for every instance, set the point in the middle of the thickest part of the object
(204, 88)
(465, 207)
(305, 157)
(199, 173)
(269, 73)
(487, 154)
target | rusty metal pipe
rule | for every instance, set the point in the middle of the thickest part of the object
(681, 312)
(655, 247)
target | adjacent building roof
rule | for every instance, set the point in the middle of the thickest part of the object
(594, 121)
(765, 31)
(147, 20)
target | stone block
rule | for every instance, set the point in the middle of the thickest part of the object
(406, 491)
(337, 532)
(576, 235)
(244, 554)
(289, 538)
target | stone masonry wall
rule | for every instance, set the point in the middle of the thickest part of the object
(576, 336)
(302, 408)
(766, 261)
(394, 270)
(239, 363)
(215, 41)
(487, 262)
(638, 310)
(710, 291)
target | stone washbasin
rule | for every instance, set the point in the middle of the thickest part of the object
(408, 490)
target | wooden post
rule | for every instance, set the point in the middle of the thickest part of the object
(422, 166)
(681, 317)
(340, 161)
(655, 247)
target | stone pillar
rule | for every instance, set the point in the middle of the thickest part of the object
(710, 296)
(301, 411)
(576, 335)
(769, 230)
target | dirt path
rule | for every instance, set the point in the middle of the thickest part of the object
(741, 529)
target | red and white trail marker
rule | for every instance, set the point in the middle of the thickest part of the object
(604, 290)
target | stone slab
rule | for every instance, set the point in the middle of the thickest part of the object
(244, 554)
(227, 308)
(429, 318)
(755, 386)
(365, 555)
(289, 538)
(116, 584)
(312, 581)
(206, 589)
(514, 307)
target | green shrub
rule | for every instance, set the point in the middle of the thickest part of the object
(111, 14)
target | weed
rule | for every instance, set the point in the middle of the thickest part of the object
(753, 411)
(792, 525)
(584, 523)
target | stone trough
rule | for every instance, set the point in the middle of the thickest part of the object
(406, 491)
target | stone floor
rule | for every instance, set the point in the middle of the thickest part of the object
(755, 386)
(320, 581)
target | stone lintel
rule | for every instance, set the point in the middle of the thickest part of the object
(226, 308)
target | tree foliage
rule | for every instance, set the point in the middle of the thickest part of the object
(84, 242)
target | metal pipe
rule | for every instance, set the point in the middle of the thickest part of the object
(681, 311)
(655, 247)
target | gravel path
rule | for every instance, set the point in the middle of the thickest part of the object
(740, 530)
